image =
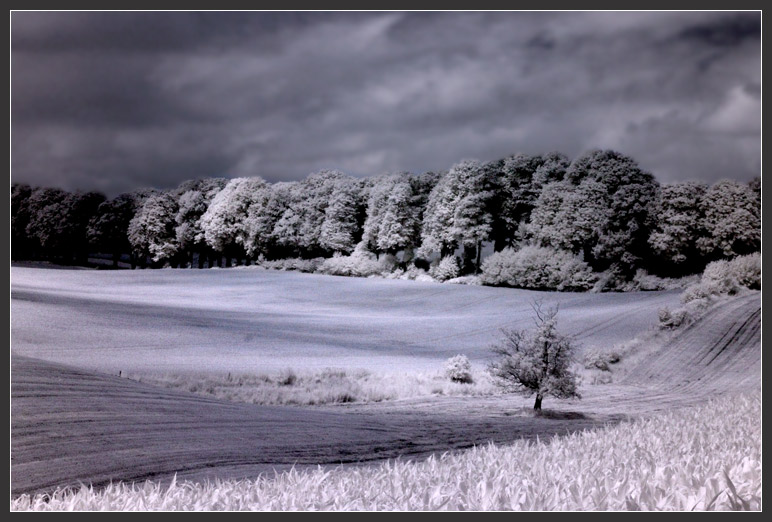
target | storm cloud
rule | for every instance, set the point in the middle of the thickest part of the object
(117, 101)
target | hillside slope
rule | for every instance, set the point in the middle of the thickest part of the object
(721, 351)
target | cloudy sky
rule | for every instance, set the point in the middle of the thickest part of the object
(117, 101)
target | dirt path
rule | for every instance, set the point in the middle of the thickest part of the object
(71, 425)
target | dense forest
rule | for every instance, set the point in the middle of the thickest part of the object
(533, 221)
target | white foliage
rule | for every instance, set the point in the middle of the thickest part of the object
(538, 268)
(446, 269)
(457, 212)
(536, 361)
(569, 217)
(459, 369)
(223, 223)
(726, 278)
(152, 229)
(678, 221)
(732, 219)
(360, 263)
(339, 227)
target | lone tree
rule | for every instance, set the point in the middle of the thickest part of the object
(536, 361)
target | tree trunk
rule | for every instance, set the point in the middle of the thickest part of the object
(479, 255)
(537, 404)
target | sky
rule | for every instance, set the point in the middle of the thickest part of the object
(118, 101)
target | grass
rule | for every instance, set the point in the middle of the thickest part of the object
(330, 386)
(698, 458)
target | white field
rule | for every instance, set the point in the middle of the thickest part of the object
(262, 321)
(78, 422)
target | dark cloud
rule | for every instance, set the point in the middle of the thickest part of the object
(113, 101)
(725, 31)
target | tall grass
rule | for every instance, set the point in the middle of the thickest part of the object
(700, 458)
(330, 386)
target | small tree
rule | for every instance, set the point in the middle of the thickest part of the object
(536, 361)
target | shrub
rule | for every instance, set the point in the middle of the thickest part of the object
(669, 320)
(459, 369)
(540, 268)
(642, 280)
(360, 263)
(747, 270)
(298, 264)
(411, 274)
(601, 360)
(446, 269)
(287, 378)
(726, 278)
(465, 280)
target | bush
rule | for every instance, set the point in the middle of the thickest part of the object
(669, 320)
(642, 280)
(411, 274)
(747, 270)
(726, 278)
(465, 280)
(360, 263)
(540, 268)
(459, 369)
(298, 264)
(287, 378)
(446, 269)
(601, 360)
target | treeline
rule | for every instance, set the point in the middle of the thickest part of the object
(600, 208)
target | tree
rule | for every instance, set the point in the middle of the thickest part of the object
(536, 361)
(569, 217)
(602, 209)
(194, 199)
(81, 209)
(266, 209)
(108, 229)
(300, 227)
(732, 220)
(519, 180)
(458, 213)
(152, 229)
(20, 243)
(224, 222)
(340, 229)
(678, 227)
(394, 206)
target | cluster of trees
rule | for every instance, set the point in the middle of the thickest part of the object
(601, 207)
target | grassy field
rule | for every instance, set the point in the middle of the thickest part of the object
(699, 458)
(263, 321)
(329, 386)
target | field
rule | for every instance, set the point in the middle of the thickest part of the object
(260, 320)
(700, 458)
(75, 419)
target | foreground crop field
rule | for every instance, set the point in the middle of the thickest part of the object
(700, 458)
